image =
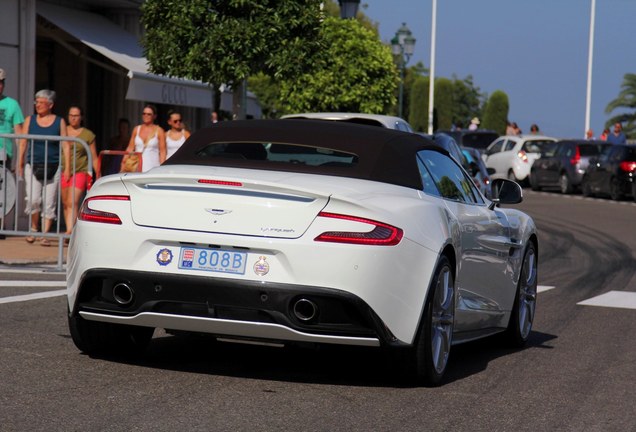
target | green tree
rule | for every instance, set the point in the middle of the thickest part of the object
(418, 110)
(626, 100)
(467, 100)
(226, 41)
(444, 103)
(496, 112)
(354, 73)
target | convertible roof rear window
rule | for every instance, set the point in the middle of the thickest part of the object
(279, 152)
(308, 146)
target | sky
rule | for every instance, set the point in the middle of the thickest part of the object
(536, 51)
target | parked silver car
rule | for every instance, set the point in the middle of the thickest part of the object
(389, 122)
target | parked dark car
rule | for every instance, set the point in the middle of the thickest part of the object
(472, 162)
(563, 165)
(481, 176)
(479, 139)
(449, 144)
(613, 173)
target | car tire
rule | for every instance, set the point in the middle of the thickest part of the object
(99, 338)
(522, 316)
(634, 191)
(425, 363)
(565, 184)
(615, 190)
(534, 185)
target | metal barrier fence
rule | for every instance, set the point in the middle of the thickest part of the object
(13, 193)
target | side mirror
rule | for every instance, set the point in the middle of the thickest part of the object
(491, 170)
(505, 191)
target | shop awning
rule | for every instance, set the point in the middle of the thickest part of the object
(123, 48)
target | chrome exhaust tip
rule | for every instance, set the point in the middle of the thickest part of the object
(123, 294)
(305, 310)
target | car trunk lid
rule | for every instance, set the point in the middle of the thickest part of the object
(227, 205)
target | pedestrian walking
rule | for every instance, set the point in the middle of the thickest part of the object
(148, 139)
(39, 163)
(177, 134)
(11, 120)
(76, 180)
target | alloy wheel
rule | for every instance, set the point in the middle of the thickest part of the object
(527, 293)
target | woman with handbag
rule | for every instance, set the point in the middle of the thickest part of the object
(149, 140)
(39, 163)
(76, 159)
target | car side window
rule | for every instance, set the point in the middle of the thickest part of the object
(496, 147)
(427, 181)
(450, 180)
(510, 145)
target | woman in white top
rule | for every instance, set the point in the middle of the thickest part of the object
(149, 140)
(177, 134)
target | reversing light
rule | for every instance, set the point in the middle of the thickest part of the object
(523, 156)
(88, 214)
(627, 166)
(381, 235)
(220, 182)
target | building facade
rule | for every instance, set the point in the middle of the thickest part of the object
(88, 51)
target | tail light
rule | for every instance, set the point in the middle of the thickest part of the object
(577, 157)
(381, 235)
(88, 214)
(523, 156)
(627, 166)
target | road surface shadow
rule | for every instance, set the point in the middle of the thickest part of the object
(324, 364)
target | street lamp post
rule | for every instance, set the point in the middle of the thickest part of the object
(402, 45)
(348, 8)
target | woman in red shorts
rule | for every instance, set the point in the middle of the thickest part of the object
(75, 178)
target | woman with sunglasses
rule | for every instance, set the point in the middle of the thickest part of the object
(177, 134)
(149, 140)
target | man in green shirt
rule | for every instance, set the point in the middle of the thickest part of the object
(11, 120)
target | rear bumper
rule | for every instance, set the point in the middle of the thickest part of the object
(230, 308)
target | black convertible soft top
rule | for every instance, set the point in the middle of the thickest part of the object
(382, 154)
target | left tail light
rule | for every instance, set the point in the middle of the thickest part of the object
(88, 214)
(380, 235)
(522, 155)
(577, 156)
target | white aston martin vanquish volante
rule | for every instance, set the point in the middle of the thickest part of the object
(296, 231)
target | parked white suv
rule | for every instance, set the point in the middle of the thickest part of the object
(512, 156)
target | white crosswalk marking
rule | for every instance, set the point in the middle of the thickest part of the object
(26, 283)
(544, 288)
(615, 299)
(34, 296)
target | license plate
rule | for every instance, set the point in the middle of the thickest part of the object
(214, 260)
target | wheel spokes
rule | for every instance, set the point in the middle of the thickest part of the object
(527, 294)
(442, 319)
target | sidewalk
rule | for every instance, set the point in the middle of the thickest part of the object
(16, 251)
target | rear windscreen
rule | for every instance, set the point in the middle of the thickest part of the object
(590, 150)
(537, 146)
(478, 140)
(279, 152)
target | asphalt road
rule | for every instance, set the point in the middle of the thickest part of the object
(578, 372)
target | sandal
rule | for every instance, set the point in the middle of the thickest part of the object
(45, 242)
(30, 239)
